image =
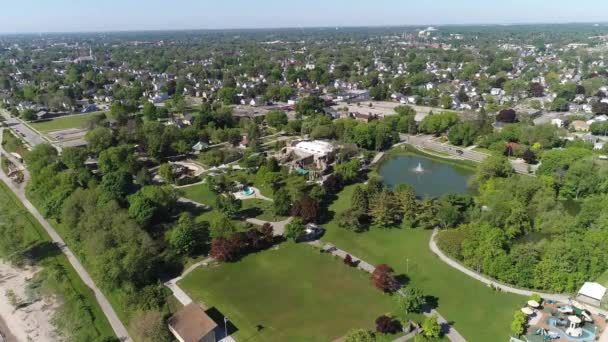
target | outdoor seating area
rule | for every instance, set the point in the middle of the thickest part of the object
(561, 322)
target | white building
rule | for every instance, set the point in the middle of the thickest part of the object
(591, 293)
(318, 148)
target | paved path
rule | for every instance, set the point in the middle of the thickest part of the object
(194, 203)
(277, 227)
(180, 294)
(448, 330)
(377, 158)
(117, 326)
(426, 142)
(506, 288)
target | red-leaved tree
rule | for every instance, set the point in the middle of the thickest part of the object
(384, 280)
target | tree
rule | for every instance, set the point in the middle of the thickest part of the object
(187, 237)
(536, 90)
(227, 95)
(222, 227)
(228, 205)
(384, 280)
(98, 139)
(348, 170)
(295, 229)
(282, 202)
(519, 323)
(411, 300)
(406, 197)
(165, 171)
(306, 208)
(493, 167)
(383, 209)
(222, 249)
(149, 326)
(116, 185)
(310, 105)
(276, 118)
(149, 111)
(141, 209)
(359, 335)
(560, 104)
(438, 123)
(351, 219)
(463, 133)
(387, 325)
(529, 157)
(506, 116)
(359, 201)
(119, 158)
(431, 327)
(73, 157)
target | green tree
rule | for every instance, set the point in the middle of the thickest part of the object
(98, 139)
(228, 205)
(431, 327)
(411, 300)
(276, 118)
(282, 202)
(348, 170)
(187, 237)
(406, 197)
(294, 229)
(165, 171)
(359, 200)
(383, 209)
(221, 226)
(519, 323)
(359, 335)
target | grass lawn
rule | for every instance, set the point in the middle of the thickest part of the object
(82, 296)
(295, 293)
(478, 312)
(200, 193)
(61, 123)
(13, 144)
(260, 209)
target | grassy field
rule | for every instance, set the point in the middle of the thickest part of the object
(478, 312)
(13, 144)
(200, 193)
(61, 123)
(71, 288)
(295, 293)
(260, 209)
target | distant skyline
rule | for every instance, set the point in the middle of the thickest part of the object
(39, 16)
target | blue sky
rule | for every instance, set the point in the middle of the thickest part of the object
(112, 15)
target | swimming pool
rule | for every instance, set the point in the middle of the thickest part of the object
(248, 191)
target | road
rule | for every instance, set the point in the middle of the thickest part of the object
(30, 136)
(426, 142)
(117, 326)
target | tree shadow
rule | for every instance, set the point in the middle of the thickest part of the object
(403, 279)
(192, 208)
(40, 251)
(251, 212)
(431, 302)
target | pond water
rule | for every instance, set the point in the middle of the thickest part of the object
(428, 177)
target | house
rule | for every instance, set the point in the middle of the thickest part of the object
(188, 119)
(557, 122)
(89, 108)
(591, 293)
(199, 147)
(192, 324)
(361, 117)
(579, 125)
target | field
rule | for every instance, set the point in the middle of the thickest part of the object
(62, 123)
(78, 298)
(477, 312)
(295, 293)
(13, 144)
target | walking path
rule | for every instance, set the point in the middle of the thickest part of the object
(277, 227)
(117, 326)
(180, 294)
(448, 330)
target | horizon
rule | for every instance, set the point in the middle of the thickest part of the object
(70, 16)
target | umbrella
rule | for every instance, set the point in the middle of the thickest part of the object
(574, 319)
(533, 303)
(527, 311)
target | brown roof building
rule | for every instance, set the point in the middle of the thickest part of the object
(192, 324)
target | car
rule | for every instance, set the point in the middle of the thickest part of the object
(311, 233)
(460, 152)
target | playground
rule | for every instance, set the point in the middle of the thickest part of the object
(560, 322)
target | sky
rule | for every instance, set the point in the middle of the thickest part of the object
(35, 16)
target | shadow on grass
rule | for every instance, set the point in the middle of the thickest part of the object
(403, 279)
(223, 326)
(251, 212)
(41, 251)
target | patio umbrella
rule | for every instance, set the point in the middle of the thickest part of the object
(527, 311)
(533, 303)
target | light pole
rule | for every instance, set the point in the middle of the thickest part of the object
(226, 326)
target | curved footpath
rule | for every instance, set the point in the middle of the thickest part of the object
(106, 307)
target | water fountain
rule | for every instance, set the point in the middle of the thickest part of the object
(419, 168)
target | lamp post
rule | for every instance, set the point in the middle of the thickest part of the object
(226, 326)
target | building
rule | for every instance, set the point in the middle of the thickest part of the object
(579, 125)
(591, 293)
(318, 148)
(192, 324)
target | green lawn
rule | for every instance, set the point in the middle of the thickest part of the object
(200, 193)
(61, 123)
(478, 312)
(260, 209)
(296, 293)
(13, 144)
(70, 288)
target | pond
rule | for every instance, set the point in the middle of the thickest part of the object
(429, 177)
